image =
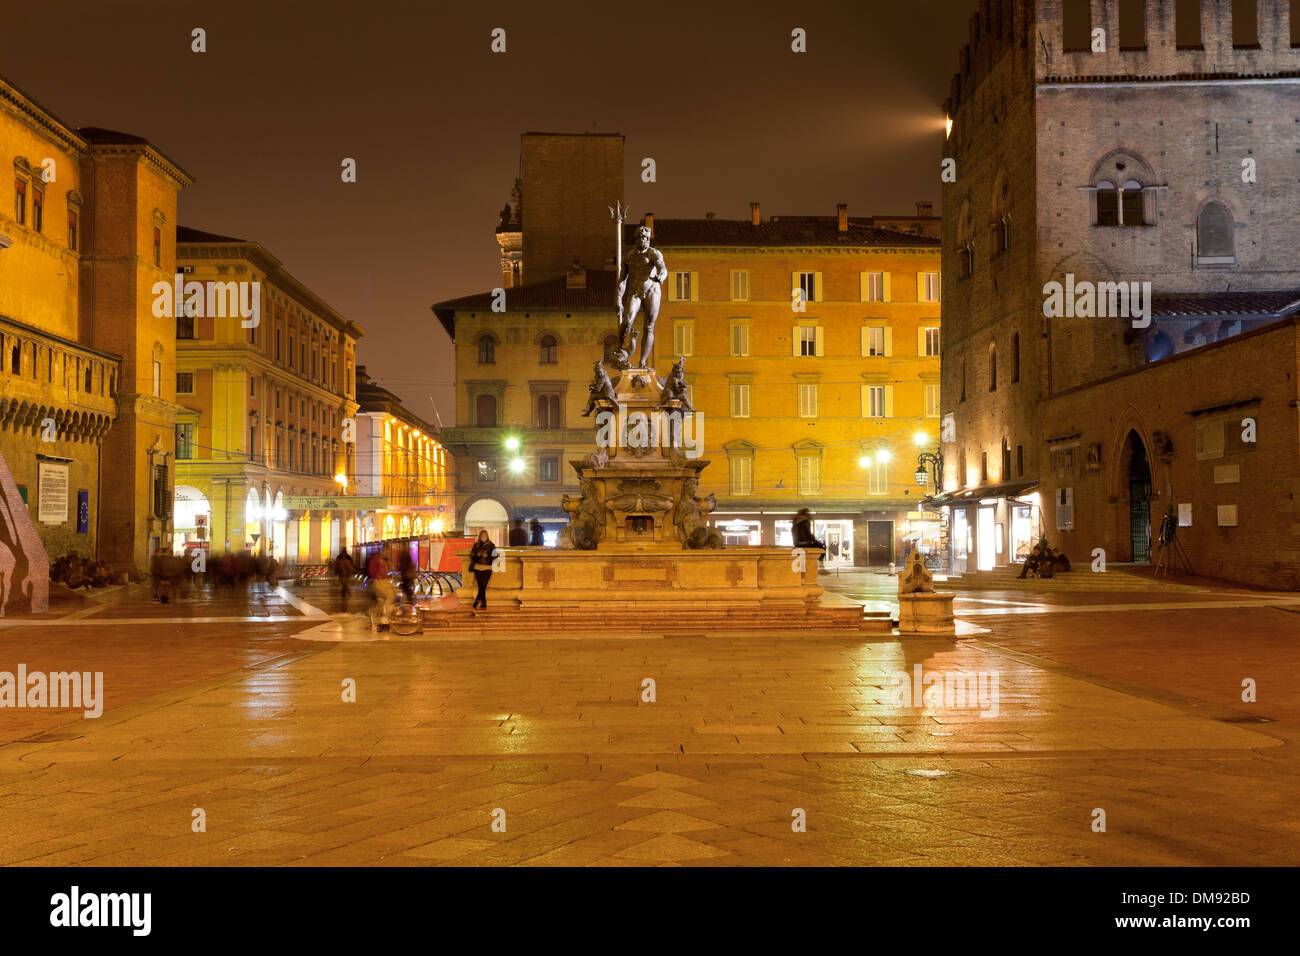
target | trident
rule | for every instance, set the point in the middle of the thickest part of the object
(618, 212)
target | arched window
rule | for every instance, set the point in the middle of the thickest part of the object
(963, 379)
(487, 350)
(1000, 215)
(1107, 204)
(1123, 190)
(485, 411)
(89, 382)
(16, 359)
(550, 350)
(965, 242)
(993, 368)
(1214, 234)
(1015, 357)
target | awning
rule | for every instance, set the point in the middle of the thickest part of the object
(1008, 489)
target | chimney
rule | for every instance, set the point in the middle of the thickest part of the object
(648, 220)
(924, 209)
(754, 217)
(576, 277)
(842, 211)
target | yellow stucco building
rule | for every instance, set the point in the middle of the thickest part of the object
(811, 350)
(87, 369)
(270, 406)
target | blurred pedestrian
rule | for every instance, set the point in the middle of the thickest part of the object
(537, 539)
(345, 570)
(518, 536)
(803, 533)
(407, 570)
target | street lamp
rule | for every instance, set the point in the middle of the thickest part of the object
(342, 479)
(929, 460)
(512, 443)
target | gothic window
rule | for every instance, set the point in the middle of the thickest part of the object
(1214, 238)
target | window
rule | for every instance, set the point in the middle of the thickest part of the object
(1076, 26)
(157, 246)
(993, 368)
(72, 230)
(873, 341)
(1209, 439)
(740, 339)
(875, 401)
(252, 387)
(1214, 234)
(739, 285)
(485, 411)
(184, 441)
(548, 469)
(932, 401)
(157, 379)
(808, 286)
(739, 399)
(548, 411)
(807, 400)
(1000, 215)
(184, 383)
(1107, 204)
(683, 339)
(965, 244)
(683, 286)
(1245, 24)
(1015, 357)
(252, 441)
(873, 287)
(930, 341)
(487, 469)
(810, 475)
(277, 344)
(984, 468)
(185, 325)
(1130, 204)
(963, 379)
(90, 377)
(550, 350)
(1006, 461)
(1187, 24)
(20, 201)
(928, 286)
(1132, 25)
(38, 209)
(1020, 461)
(302, 357)
(487, 350)
(877, 476)
(742, 474)
(808, 340)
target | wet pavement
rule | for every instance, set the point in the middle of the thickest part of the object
(406, 752)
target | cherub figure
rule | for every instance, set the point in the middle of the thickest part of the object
(675, 387)
(600, 388)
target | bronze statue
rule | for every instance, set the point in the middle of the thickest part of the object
(675, 387)
(600, 388)
(586, 520)
(638, 292)
(689, 517)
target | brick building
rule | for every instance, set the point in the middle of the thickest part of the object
(1156, 179)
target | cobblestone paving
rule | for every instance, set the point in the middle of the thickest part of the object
(1137, 713)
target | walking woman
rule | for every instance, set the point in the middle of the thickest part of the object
(480, 559)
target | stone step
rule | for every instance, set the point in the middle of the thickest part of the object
(567, 620)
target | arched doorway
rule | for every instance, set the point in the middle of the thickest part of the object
(490, 515)
(254, 530)
(1139, 495)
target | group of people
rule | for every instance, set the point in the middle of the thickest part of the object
(174, 575)
(1043, 562)
(379, 571)
(519, 538)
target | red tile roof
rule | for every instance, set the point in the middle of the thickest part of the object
(1265, 305)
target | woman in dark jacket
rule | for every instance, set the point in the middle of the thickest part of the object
(480, 561)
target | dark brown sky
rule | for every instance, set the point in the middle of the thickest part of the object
(411, 90)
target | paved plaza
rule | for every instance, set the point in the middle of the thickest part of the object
(1126, 700)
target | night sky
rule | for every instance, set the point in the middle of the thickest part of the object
(411, 90)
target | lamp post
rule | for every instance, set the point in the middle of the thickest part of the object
(933, 461)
